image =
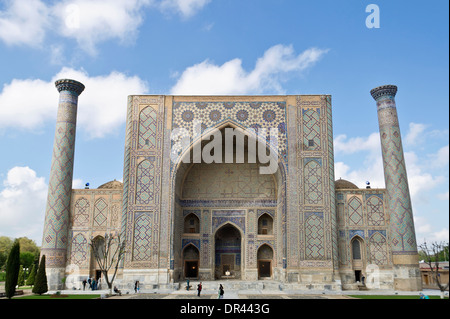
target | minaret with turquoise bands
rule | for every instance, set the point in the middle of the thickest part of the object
(55, 237)
(401, 228)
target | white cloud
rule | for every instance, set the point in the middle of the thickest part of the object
(357, 144)
(186, 8)
(90, 22)
(422, 226)
(441, 158)
(77, 183)
(22, 204)
(442, 235)
(367, 166)
(420, 180)
(420, 176)
(415, 134)
(24, 22)
(373, 173)
(230, 78)
(443, 196)
(426, 233)
(28, 104)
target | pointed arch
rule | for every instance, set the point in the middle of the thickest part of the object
(228, 244)
(265, 224)
(357, 245)
(191, 224)
(265, 257)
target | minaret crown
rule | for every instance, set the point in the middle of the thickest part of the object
(384, 90)
(69, 85)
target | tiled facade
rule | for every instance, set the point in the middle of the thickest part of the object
(226, 220)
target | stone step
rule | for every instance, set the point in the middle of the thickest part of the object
(236, 285)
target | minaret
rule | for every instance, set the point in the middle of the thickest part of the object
(401, 228)
(55, 237)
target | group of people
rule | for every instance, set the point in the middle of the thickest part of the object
(93, 284)
(221, 291)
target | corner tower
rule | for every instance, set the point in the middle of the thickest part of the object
(55, 237)
(402, 234)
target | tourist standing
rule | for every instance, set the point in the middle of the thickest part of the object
(221, 291)
(199, 289)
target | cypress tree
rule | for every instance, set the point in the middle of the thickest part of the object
(12, 270)
(40, 282)
(31, 276)
(21, 277)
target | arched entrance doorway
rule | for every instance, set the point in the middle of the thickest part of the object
(265, 259)
(209, 196)
(191, 261)
(228, 252)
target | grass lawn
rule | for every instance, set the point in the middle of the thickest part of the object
(391, 297)
(63, 297)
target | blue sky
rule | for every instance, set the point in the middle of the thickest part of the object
(123, 47)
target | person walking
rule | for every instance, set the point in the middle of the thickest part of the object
(221, 291)
(199, 289)
(84, 284)
(187, 285)
(136, 287)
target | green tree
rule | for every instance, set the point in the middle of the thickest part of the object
(3, 257)
(31, 276)
(5, 246)
(26, 258)
(28, 245)
(40, 282)
(12, 270)
(21, 277)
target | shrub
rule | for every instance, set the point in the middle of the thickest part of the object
(21, 277)
(40, 282)
(31, 276)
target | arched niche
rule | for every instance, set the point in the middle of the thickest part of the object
(265, 224)
(191, 224)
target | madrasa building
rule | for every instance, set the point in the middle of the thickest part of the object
(185, 216)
